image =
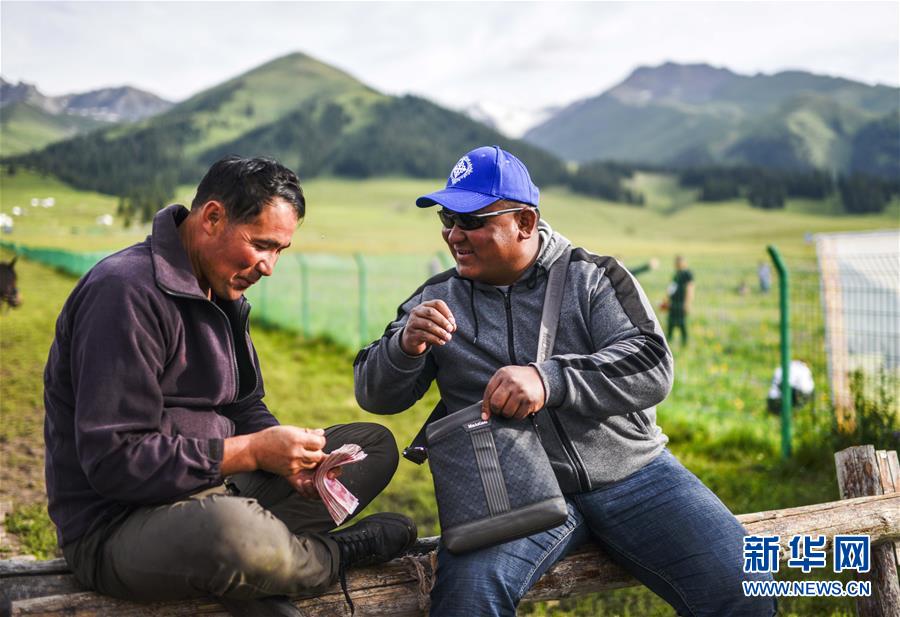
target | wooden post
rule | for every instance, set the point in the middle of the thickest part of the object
(836, 335)
(889, 470)
(859, 474)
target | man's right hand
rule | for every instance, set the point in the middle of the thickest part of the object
(284, 450)
(429, 323)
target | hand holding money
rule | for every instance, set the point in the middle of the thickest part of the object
(339, 501)
(304, 481)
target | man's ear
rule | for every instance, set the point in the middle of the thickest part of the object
(527, 220)
(212, 216)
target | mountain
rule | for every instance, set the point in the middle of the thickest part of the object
(695, 114)
(313, 117)
(123, 104)
(25, 126)
(30, 120)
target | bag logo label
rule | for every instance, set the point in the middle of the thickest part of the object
(471, 426)
(462, 169)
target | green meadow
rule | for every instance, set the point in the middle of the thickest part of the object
(715, 416)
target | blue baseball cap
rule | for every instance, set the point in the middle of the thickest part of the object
(480, 178)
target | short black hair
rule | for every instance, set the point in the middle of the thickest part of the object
(246, 186)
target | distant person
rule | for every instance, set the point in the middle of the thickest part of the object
(764, 273)
(680, 298)
(651, 265)
(167, 476)
(473, 331)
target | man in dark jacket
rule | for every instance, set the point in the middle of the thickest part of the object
(474, 329)
(167, 476)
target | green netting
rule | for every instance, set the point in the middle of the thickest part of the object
(318, 295)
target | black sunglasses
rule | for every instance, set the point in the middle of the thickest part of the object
(468, 222)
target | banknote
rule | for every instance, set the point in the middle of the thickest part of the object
(339, 501)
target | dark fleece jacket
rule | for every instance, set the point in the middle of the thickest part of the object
(145, 379)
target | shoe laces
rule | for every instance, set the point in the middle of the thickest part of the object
(357, 546)
(342, 576)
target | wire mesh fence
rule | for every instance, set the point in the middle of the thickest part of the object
(860, 286)
(724, 372)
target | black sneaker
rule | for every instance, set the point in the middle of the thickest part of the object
(375, 539)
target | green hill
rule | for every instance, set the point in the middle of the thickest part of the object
(25, 127)
(698, 114)
(314, 117)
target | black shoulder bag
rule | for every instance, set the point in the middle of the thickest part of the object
(492, 478)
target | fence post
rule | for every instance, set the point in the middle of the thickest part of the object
(304, 294)
(859, 475)
(786, 394)
(363, 300)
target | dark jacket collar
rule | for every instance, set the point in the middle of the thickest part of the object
(171, 264)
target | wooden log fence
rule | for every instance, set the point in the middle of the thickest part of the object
(400, 588)
(863, 471)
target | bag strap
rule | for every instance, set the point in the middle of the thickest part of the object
(417, 450)
(556, 283)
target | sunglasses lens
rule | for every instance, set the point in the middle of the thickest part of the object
(446, 218)
(466, 222)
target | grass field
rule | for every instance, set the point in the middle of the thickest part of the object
(714, 417)
(378, 216)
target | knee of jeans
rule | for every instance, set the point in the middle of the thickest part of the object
(474, 584)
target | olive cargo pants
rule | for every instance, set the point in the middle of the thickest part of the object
(256, 538)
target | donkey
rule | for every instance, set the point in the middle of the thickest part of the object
(8, 292)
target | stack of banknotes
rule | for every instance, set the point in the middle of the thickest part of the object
(340, 502)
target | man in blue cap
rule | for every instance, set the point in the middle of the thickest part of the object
(474, 329)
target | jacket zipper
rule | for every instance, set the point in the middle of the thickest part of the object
(234, 366)
(583, 480)
(245, 328)
(509, 326)
(233, 354)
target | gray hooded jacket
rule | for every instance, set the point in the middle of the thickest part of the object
(610, 364)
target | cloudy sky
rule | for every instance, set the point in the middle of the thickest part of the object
(525, 55)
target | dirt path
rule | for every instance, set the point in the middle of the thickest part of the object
(21, 483)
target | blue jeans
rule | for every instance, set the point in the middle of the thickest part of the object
(660, 523)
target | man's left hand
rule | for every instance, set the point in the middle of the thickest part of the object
(513, 392)
(304, 481)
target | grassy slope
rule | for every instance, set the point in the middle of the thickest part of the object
(25, 127)
(713, 417)
(258, 97)
(820, 112)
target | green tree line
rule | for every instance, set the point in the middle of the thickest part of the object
(769, 188)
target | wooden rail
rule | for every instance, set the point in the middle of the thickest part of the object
(400, 587)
